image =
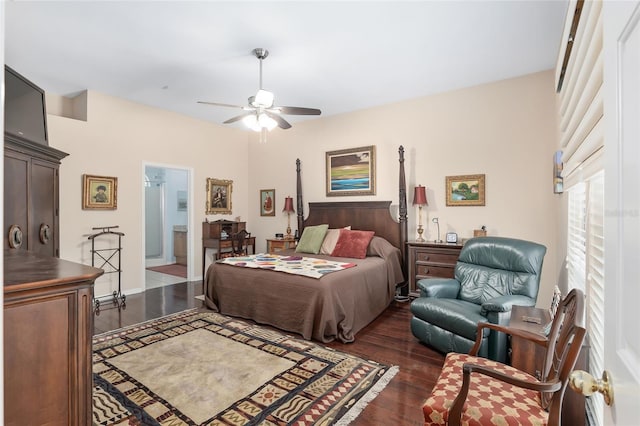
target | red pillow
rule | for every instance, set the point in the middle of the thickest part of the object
(352, 244)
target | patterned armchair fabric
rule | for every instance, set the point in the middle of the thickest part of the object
(491, 275)
(475, 391)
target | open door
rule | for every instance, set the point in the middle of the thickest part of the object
(622, 208)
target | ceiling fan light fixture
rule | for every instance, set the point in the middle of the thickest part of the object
(263, 99)
(251, 121)
(267, 122)
(258, 122)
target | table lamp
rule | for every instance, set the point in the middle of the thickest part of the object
(288, 208)
(420, 199)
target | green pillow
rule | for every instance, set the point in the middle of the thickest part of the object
(311, 239)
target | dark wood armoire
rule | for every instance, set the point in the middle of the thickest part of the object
(48, 317)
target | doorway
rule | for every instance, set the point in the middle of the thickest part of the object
(166, 225)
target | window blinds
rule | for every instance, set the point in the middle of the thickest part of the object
(579, 76)
(595, 288)
(580, 91)
(576, 237)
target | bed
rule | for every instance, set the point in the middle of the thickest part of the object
(339, 304)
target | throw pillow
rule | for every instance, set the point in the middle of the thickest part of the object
(352, 244)
(311, 239)
(330, 240)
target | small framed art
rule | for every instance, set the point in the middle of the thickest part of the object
(465, 190)
(99, 192)
(219, 196)
(267, 202)
(351, 171)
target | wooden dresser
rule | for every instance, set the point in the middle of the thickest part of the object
(427, 260)
(48, 327)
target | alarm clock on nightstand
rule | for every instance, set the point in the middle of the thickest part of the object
(452, 237)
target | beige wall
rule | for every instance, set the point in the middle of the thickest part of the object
(117, 139)
(506, 130)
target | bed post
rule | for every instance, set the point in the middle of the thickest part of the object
(404, 291)
(299, 205)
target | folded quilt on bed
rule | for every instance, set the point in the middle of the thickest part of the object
(298, 265)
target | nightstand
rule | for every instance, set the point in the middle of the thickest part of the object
(430, 260)
(278, 244)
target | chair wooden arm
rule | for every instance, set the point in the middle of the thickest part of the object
(455, 413)
(536, 338)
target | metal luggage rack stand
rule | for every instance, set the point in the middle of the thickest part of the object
(108, 258)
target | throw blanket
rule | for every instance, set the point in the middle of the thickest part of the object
(298, 265)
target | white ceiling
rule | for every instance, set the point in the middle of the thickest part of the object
(334, 55)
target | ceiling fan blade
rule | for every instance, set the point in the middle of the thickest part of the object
(298, 110)
(222, 105)
(282, 123)
(237, 118)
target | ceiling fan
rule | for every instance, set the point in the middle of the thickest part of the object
(260, 113)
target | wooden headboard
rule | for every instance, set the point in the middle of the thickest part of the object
(361, 215)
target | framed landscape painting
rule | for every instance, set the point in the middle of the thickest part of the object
(351, 171)
(219, 196)
(465, 190)
(99, 192)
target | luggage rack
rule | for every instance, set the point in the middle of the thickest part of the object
(106, 256)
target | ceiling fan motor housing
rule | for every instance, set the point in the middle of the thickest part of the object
(260, 53)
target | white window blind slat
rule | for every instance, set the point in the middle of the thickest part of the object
(595, 284)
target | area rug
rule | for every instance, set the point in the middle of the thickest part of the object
(203, 368)
(173, 269)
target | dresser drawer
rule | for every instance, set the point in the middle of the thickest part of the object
(423, 271)
(430, 260)
(436, 257)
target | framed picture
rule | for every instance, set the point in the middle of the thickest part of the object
(267, 202)
(99, 192)
(466, 190)
(219, 196)
(351, 171)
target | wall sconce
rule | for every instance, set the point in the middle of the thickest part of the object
(288, 208)
(420, 199)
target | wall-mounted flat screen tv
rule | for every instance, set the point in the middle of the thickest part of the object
(25, 114)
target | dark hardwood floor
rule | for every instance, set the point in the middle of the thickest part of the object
(387, 340)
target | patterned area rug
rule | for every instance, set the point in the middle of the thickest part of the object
(203, 368)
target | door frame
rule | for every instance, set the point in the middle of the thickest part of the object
(190, 216)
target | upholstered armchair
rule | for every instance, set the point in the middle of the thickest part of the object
(477, 391)
(491, 275)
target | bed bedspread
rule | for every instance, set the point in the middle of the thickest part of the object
(336, 306)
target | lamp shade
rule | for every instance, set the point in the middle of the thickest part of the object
(420, 196)
(288, 205)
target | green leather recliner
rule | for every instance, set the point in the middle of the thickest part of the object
(491, 275)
